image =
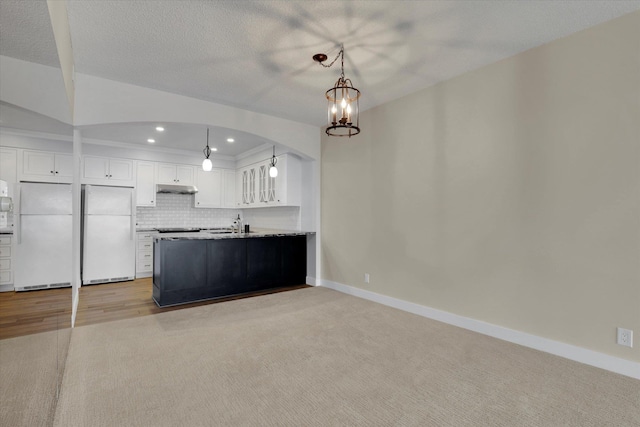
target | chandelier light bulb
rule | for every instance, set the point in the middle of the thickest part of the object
(207, 165)
(273, 171)
(343, 104)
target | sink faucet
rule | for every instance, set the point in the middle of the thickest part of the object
(238, 224)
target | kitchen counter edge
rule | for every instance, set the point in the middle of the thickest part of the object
(208, 236)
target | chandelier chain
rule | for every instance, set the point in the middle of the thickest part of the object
(339, 55)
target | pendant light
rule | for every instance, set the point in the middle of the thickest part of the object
(206, 163)
(344, 101)
(273, 170)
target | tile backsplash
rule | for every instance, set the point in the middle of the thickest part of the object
(277, 217)
(176, 210)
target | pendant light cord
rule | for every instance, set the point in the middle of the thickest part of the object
(207, 150)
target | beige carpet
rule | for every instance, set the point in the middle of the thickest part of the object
(316, 357)
(30, 367)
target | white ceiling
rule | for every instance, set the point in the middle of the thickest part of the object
(256, 55)
(185, 136)
(19, 118)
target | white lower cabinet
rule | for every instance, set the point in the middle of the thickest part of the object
(144, 254)
(6, 267)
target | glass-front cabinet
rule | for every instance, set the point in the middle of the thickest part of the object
(256, 188)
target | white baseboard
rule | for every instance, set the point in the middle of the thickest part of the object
(568, 351)
(311, 281)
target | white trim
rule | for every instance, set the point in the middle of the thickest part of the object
(154, 149)
(10, 288)
(312, 281)
(74, 309)
(35, 134)
(254, 150)
(568, 351)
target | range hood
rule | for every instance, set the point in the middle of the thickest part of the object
(176, 189)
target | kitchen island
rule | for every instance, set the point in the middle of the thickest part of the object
(190, 267)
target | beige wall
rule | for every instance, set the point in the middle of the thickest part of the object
(510, 194)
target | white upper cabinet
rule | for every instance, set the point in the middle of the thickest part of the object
(175, 174)
(228, 188)
(209, 186)
(145, 183)
(107, 171)
(287, 183)
(9, 167)
(44, 166)
(255, 188)
(248, 186)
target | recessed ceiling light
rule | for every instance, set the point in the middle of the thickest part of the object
(230, 140)
(151, 140)
(160, 129)
(214, 149)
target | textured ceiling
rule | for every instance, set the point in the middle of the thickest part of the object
(26, 33)
(256, 55)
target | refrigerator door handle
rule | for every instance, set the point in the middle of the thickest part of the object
(16, 215)
(132, 227)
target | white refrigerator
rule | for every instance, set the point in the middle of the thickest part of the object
(108, 245)
(42, 230)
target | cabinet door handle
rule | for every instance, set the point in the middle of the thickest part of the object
(51, 172)
(56, 172)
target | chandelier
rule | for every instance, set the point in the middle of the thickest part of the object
(344, 105)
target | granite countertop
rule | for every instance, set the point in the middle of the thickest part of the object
(204, 235)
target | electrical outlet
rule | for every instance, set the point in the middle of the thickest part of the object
(625, 337)
(366, 277)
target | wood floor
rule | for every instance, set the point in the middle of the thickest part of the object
(24, 313)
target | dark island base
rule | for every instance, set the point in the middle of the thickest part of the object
(195, 270)
(237, 296)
